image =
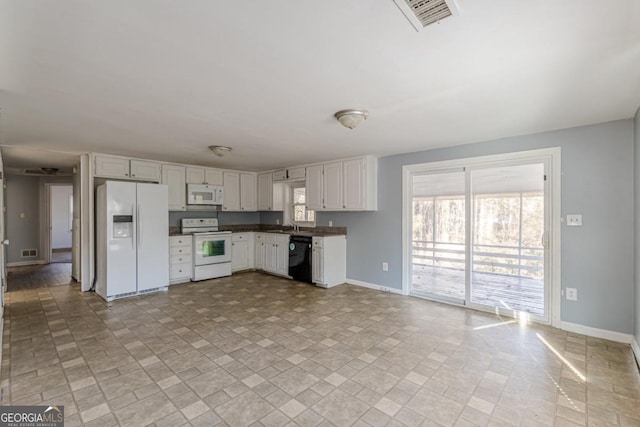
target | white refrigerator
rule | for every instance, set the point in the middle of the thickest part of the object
(132, 237)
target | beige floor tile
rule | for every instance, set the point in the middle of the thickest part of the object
(253, 348)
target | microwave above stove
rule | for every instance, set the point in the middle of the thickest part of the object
(200, 194)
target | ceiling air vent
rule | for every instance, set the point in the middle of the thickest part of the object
(426, 12)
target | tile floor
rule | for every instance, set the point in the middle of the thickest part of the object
(258, 350)
(38, 276)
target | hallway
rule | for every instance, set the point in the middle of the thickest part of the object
(39, 276)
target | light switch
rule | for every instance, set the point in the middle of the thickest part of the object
(574, 220)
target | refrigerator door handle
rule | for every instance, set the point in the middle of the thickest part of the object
(133, 241)
(138, 226)
(141, 235)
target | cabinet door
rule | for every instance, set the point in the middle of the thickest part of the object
(282, 262)
(314, 187)
(231, 191)
(213, 176)
(248, 192)
(280, 175)
(240, 255)
(260, 251)
(195, 175)
(333, 186)
(265, 192)
(296, 173)
(148, 171)
(174, 177)
(111, 167)
(317, 273)
(354, 188)
(270, 257)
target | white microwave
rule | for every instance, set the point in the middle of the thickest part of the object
(200, 194)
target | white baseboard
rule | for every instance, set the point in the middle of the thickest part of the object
(23, 263)
(596, 333)
(374, 286)
(636, 349)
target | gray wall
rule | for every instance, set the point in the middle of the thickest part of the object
(23, 196)
(636, 146)
(597, 181)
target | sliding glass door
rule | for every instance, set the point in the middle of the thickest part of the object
(439, 235)
(478, 236)
(508, 228)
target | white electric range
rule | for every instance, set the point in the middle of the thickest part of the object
(211, 248)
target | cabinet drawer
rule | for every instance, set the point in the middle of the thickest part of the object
(179, 270)
(180, 259)
(239, 237)
(175, 241)
(317, 242)
(180, 250)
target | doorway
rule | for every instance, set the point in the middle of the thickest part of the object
(61, 222)
(477, 233)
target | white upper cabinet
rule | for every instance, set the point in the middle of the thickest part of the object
(231, 191)
(314, 187)
(359, 184)
(174, 177)
(239, 191)
(124, 168)
(343, 185)
(265, 191)
(290, 174)
(248, 192)
(201, 175)
(111, 167)
(280, 175)
(333, 186)
(148, 171)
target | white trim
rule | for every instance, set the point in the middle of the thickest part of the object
(596, 333)
(636, 349)
(374, 286)
(554, 156)
(23, 263)
(86, 222)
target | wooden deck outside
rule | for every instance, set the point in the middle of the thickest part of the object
(507, 292)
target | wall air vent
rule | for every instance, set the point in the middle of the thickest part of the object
(29, 253)
(426, 12)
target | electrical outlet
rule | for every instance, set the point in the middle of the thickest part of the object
(277, 222)
(572, 294)
(574, 220)
(385, 266)
(330, 223)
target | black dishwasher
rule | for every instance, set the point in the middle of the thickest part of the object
(300, 258)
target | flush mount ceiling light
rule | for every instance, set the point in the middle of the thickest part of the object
(219, 150)
(351, 118)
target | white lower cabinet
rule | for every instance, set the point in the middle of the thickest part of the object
(329, 261)
(180, 259)
(260, 250)
(242, 251)
(272, 253)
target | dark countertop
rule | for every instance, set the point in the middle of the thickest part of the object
(319, 231)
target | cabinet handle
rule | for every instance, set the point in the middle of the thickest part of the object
(126, 174)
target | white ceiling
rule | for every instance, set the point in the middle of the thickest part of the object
(163, 79)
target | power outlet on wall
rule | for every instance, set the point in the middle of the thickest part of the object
(385, 266)
(572, 294)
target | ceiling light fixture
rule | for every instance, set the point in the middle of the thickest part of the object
(351, 118)
(219, 150)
